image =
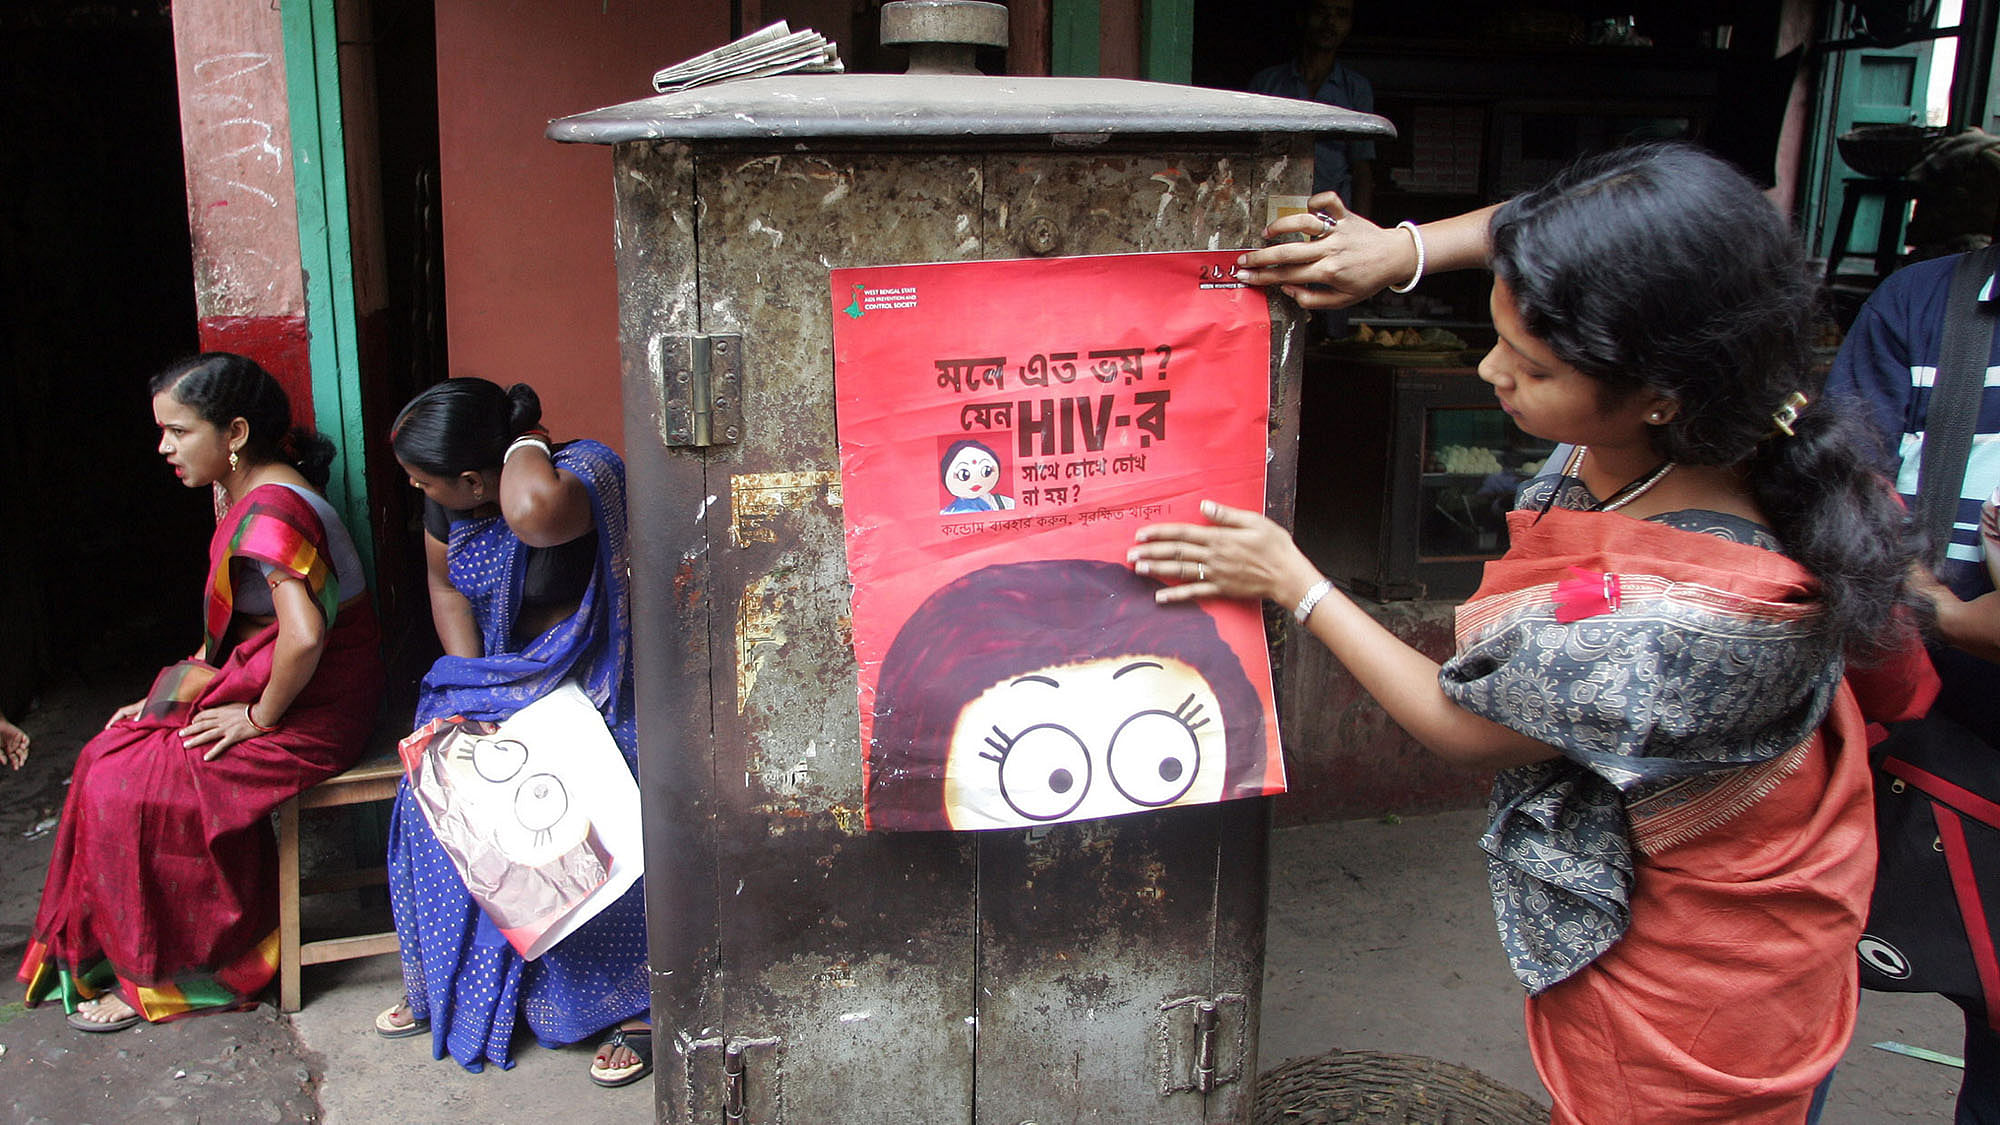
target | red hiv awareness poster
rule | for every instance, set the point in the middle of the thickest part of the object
(1004, 428)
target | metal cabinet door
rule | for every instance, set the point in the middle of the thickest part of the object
(1101, 941)
(804, 969)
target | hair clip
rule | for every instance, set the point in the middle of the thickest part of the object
(1788, 412)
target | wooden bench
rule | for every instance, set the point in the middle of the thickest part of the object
(372, 780)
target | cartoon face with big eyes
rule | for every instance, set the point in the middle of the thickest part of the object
(971, 472)
(1080, 741)
(540, 822)
(1036, 692)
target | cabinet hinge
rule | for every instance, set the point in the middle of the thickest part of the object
(735, 1081)
(700, 378)
(1203, 1041)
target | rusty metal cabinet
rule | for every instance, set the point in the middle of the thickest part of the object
(806, 971)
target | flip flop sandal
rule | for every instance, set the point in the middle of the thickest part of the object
(387, 1027)
(639, 1040)
(82, 1022)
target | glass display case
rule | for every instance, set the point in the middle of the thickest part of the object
(1406, 474)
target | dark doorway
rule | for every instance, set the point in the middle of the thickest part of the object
(101, 550)
(403, 343)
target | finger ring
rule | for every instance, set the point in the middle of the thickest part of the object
(1326, 222)
(1200, 572)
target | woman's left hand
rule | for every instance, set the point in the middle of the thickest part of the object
(1239, 554)
(1343, 259)
(13, 744)
(224, 725)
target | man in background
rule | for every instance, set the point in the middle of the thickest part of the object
(1316, 74)
(1889, 362)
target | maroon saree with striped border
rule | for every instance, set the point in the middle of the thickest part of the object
(164, 878)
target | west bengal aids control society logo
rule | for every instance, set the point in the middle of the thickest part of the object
(867, 300)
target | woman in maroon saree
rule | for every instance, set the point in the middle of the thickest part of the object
(161, 895)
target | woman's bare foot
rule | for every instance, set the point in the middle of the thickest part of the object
(625, 1056)
(398, 1022)
(108, 1012)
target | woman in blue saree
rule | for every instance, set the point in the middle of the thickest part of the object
(525, 550)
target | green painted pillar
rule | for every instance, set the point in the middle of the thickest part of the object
(1166, 28)
(1073, 35)
(1167, 55)
(319, 173)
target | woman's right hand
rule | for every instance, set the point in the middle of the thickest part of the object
(1237, 554)
(1333, 268)
(1972, 626)
(129, 711)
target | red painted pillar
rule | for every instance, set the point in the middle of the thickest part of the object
(242, 218)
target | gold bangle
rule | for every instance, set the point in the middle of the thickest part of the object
(252, 720)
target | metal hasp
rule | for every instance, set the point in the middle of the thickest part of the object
(901, 978)
(700, 381)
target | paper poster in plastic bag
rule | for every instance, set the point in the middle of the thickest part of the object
(1004, 428)
(539, 814)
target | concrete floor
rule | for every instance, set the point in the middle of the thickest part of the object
(1379, 933)
(1381, 936)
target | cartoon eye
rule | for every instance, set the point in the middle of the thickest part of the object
(498, 761)
(540, 802)
(1044, 771)
(1154, 756)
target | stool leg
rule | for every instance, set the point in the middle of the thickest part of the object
(1889, 237)
(288, 906)
(1843, 229)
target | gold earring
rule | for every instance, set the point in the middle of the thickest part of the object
(234, 461)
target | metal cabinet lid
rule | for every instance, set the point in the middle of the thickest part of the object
(952, 105)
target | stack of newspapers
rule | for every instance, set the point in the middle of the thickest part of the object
(776, 49)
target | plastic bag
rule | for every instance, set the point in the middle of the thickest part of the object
(539, 813)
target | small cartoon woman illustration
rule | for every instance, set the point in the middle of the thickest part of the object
(971, 471)
(1033, 692)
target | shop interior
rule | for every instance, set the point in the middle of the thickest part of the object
(1489, 100)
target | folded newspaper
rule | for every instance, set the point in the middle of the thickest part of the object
(776, 49)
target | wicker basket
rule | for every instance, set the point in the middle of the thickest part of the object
(1377, 1088)
(1886, 151)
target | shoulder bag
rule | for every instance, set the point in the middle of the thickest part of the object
(1937, 785)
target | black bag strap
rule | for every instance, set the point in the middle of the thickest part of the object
(1941, 791)
(1953, 416)
(1971, 909)
(1950, 805)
